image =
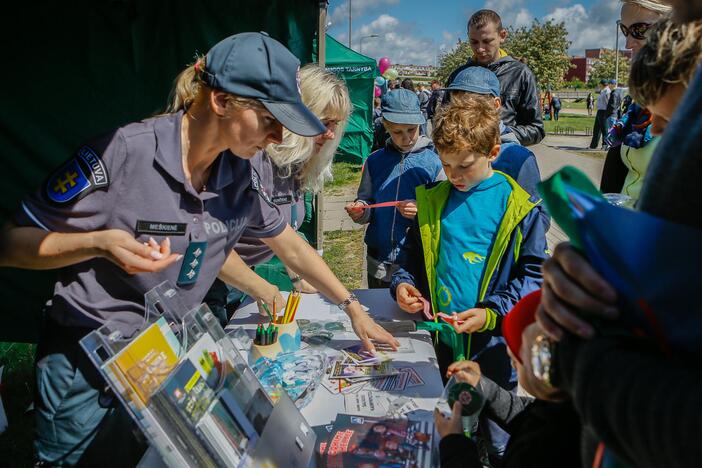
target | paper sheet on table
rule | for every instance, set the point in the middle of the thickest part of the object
(367, 403)
(652, 263)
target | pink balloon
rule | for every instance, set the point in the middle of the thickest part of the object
(377, 92)
(383, 64)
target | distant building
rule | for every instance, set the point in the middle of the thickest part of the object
(416, 71)
(583, 65)
(578, 71)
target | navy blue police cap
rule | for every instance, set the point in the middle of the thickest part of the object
(254, 65)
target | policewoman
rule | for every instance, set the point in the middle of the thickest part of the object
(162, 199)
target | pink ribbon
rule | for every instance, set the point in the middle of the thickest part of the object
(377, 205)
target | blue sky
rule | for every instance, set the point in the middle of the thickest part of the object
(414, 31)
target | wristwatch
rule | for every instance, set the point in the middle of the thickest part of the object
(344, 305)
(542, 360)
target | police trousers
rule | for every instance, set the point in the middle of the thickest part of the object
(78, 420)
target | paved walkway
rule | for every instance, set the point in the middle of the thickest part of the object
(552, 154)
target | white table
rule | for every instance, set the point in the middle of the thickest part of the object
(324, 406)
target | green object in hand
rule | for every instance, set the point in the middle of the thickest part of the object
(469, 397)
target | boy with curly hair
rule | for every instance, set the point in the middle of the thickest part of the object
(478, 241)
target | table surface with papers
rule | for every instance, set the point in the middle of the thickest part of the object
(420, 392)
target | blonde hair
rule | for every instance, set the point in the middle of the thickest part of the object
(328, 98)
(471, 124)
(670, 56)
(652, 5)
(189, 87)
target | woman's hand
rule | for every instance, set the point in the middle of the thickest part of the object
(465, 371)
(368, 331)
(571, 289)
(267, 294)
(451, 425)
(354, 211)
(122, 249)
(408, 298)
(473, 320)
(407, 208)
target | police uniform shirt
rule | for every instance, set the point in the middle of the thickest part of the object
(284, 192)
(133, 180)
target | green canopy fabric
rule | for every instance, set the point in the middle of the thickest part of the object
(359, 72)
(74, 70)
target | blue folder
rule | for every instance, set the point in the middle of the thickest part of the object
(652, 263)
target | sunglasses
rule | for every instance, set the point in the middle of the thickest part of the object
(637, 30)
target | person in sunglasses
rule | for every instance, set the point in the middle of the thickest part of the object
(630, 139)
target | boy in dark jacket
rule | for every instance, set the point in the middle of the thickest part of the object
(542, 433)
(391, 175)
(478, 242)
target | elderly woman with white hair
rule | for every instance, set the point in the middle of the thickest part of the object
(286, 171)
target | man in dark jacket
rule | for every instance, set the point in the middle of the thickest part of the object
(520, 111)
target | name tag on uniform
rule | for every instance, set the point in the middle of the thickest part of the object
(160, 228)
(282, 199)
(192, 262)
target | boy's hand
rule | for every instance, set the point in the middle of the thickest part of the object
(473, 320)
(407, 208)
(408, 298)
(465, 371)
(452, 425)
(354, 211)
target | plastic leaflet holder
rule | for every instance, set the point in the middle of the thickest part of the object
(192, 393)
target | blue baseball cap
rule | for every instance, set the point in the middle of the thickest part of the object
(401, 106)
(256, 66)
(476, 80)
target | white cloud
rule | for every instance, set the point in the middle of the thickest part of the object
(402, 42)
(340, 14)
(589, 29)
(512, 12)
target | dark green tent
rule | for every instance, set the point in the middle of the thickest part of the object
(74, 70)
(358, 71)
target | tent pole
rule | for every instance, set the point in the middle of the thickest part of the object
(321, 58)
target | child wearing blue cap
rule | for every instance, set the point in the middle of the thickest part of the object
(391, 174)
(517, 161)
(478, 242)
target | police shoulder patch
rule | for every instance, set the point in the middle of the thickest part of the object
(77, 177)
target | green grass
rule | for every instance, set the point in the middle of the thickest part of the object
(17, 394)
(347, 176)
(580, 124)
(567, 104)
(343, 252)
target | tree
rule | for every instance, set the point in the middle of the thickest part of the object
(604, 68)
(543, 46)
(575, 83)
(453, 59)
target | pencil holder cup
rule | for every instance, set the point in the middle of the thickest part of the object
(268, 351)
(289, 337)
